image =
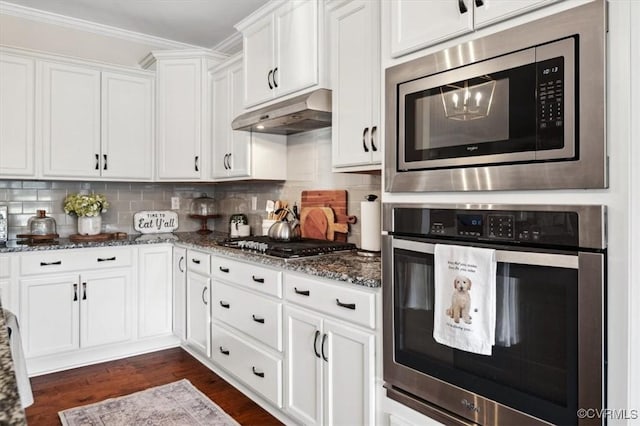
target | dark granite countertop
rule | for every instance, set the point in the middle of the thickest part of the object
(11, 412)
(344, 266)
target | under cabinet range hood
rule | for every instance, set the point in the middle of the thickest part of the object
(295, 115)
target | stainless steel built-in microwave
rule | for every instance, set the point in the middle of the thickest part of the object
(519, 109)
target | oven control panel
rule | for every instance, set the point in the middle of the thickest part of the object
(520, 227)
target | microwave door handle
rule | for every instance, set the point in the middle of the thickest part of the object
(502, 256)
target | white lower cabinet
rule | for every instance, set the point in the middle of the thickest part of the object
(155, 291)
(180, 292)
(71, 311)
(330, 368)
(198, 327)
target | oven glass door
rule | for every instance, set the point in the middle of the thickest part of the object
(533, 367)
(506, 109)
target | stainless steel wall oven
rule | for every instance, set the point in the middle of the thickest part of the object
(548, 359)
(520, 109)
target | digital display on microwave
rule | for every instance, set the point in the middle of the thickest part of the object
(469, 224)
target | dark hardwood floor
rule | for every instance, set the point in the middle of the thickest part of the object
(67, 389)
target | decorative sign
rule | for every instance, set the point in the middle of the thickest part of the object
(155, 222)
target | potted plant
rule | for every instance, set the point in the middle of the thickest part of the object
(88, 208)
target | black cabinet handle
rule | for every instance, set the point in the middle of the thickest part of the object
(196, 163)
(196, 261)
(479, 3)
(84, 291)
(324, 337)
(364, 139)
(204, 290)
(269, 79)
(258, 280)
(301, 292)
(275, 82)
(345, 305)
(57, 262)
(315, 343)
(224, 162)
(97, 161)
(462, 7)
(256, 319)
(257, 373)
(75, 292)
(225, 305)
(225, 270)
(104, 161)
(106, 259)
(224, 351)
(374, 130)
(180, 267)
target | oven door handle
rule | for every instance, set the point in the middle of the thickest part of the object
(503, 256)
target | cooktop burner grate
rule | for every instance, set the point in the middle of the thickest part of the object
(287, 250)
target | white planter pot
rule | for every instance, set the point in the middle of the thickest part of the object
(89, 225)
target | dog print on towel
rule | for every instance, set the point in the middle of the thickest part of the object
(460, 300)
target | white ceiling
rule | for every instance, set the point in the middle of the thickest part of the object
(204, 23)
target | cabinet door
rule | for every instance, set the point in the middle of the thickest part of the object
(297, 46)
(355, 72)
(179, 118)
(180, 292)
(70, 120)
(304, 368)
(259, 61)
(349, 375)
(220, 124)
(493, 11)
(105, 307)
(199, 313)
(17, 80)
(155, 291)
(419, 23)
(240, 142)
(127, 126)
(49, 314)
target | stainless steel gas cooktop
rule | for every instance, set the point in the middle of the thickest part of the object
(287, 250)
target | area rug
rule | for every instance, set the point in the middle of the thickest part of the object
(176, 404)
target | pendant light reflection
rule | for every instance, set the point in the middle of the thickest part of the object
(465, 102)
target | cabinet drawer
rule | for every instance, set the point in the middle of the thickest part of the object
(256, 368)
(5, 267)
(259, 278)
(250, 313)
(198, 262)
(49, 261)
(351, 304)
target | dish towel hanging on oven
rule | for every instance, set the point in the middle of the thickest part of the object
(465, 298)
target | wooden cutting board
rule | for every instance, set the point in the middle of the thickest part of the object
(319, 223)
(336, 200)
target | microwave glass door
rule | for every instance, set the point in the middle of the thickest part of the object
(533, 366)
(502, 110)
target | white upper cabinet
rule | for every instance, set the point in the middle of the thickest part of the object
(182, 114)
(239, 154)
(420, 23)
(281, 50)
(127, 126)
(70, 120)
(17, 120)
(354, 44)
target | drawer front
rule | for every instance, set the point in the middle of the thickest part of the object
(250, 313)
(5, 267)
(49, 261)
(255, 277)
(351, 304)
(199, 262)
(257, 369)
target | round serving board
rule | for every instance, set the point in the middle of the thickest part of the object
(77, 238)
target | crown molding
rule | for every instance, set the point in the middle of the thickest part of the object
(229, 45)
(12, 9)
